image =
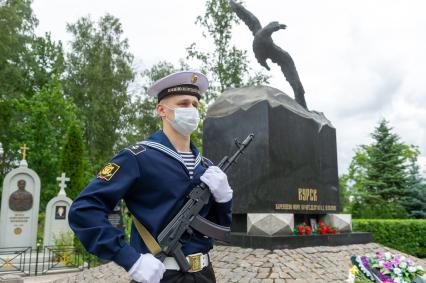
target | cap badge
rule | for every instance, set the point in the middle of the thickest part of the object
(194, 78)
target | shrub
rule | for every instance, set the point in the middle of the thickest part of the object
(406, 235)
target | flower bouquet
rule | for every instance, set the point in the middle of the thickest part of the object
(321, 228)
(383, 268)
(324, 229)
(302, 229)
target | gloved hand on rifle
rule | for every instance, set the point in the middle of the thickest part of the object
(217, 181)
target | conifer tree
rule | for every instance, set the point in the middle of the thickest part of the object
(386, 171)
(72, 161)
(415, 200)
(378, 180)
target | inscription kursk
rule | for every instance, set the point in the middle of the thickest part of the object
(306, 195)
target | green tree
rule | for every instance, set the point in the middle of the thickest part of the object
(27, 61)
(386, 170)
(47, 60)
(16, 35)
(72, 160)
(98, 75)
(377, 178)
(43, 123)
(27, 64)
(415, 199)
(226, 65)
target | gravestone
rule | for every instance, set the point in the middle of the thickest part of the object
(20, 206)
(56, 221)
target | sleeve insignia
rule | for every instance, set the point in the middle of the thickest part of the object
(136, 149)
(108, 171)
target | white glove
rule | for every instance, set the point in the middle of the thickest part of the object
(147, 269)
(217, 181)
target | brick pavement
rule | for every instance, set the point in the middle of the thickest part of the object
(235, 264)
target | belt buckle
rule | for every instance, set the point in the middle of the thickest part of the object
(195, 262)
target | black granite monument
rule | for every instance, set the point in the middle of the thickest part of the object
(289, 174)
(290, 167)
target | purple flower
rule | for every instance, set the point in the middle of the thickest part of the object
(385, 278)
(395, 261)
(379, 256)
(387, 265)
(365, 261)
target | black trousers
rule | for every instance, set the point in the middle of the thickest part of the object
(206, 275)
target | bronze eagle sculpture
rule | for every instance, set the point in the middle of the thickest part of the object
(264, 48)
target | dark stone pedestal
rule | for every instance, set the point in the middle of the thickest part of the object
(298, 241)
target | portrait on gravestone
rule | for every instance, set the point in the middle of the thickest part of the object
(60, 212)
(21, 200)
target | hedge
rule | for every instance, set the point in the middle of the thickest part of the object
(406, 235)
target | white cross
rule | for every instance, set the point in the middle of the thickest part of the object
(62, 184)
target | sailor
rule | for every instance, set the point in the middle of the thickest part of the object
(154, 177)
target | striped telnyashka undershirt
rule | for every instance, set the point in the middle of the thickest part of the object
(189, 160)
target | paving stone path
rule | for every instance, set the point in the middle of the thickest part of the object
(235, 264)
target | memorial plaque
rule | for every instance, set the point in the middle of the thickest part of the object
(21, 200)
(60, 212)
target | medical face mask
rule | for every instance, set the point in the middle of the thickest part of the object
(186, 119)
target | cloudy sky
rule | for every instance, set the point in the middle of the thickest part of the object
(359, 60)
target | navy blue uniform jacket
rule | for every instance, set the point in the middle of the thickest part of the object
(154, 182)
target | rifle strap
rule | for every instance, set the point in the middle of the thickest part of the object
(146, 236)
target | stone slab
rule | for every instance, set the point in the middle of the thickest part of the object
(271, 224)
(297, 241)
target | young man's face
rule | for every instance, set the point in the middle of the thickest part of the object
(175, 101)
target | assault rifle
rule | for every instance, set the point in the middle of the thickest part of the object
(188, 218)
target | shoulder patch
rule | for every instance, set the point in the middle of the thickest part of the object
(108, 171)
(136, 149)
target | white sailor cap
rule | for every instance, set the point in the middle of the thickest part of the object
(184, 82)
